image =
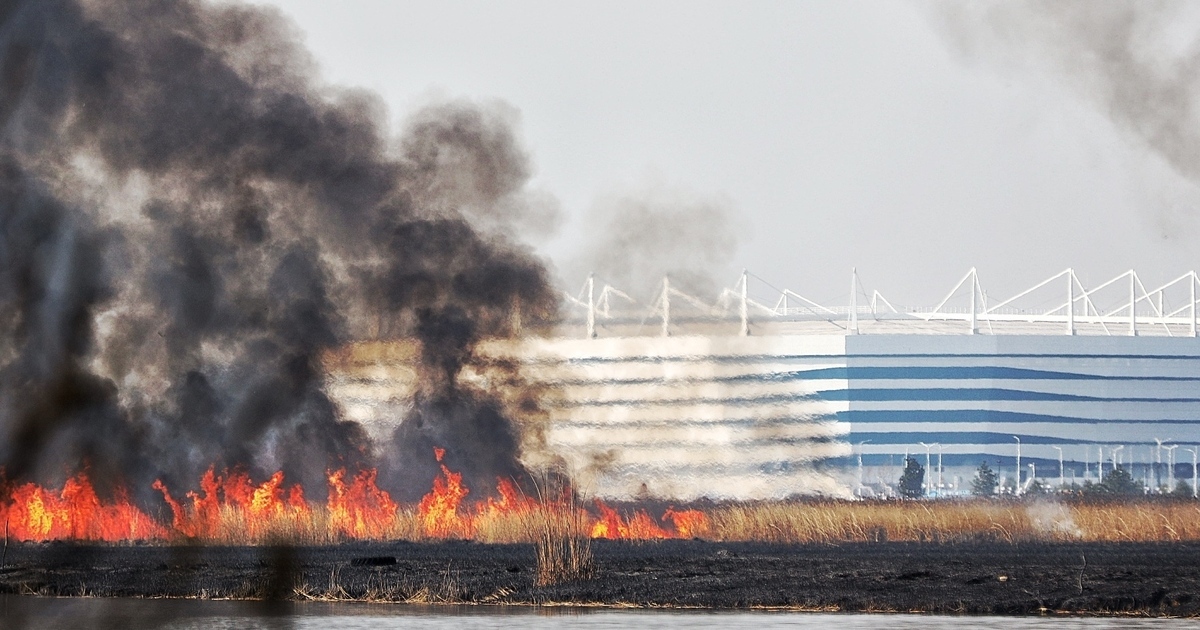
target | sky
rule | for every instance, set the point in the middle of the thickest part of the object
(839, 134)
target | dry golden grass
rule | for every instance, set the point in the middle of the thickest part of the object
(844, 521)
(315, 527)
(836, 521)
(508, 527)
(560, 529)
(1160, 522)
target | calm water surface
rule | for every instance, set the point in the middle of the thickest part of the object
(19, 613)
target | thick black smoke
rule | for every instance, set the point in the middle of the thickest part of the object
(189, 220)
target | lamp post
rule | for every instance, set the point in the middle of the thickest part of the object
(1115, 450)
(860, 466)
(927, 472)
(1171, 466)
(1017, 487)
(940, 448)
(1194, 451)
(1158, 459)
(1032, 473)
(1060, 465)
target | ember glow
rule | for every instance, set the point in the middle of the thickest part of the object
(231, 508)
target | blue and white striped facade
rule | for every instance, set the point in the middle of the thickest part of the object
(795, 410)
(971, 394)
(786, 412)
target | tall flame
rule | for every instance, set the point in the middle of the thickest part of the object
(440, 517)
(230, 507)
(76, 513)
(361, 509)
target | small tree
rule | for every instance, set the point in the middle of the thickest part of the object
(985, 482)
(1116, 482)
(912, 482)
(1183, 490)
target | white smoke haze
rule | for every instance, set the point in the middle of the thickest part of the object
(635, 237)
(1052, 518)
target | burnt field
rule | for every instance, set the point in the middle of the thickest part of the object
(967, 578)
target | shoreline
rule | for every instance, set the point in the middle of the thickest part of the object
(974, 578)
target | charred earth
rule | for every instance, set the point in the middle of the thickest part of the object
(962, 578)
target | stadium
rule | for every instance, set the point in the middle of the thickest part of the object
(765, 393)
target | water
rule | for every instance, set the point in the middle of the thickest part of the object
(30, 613)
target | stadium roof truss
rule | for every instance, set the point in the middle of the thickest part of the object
(1120, 306)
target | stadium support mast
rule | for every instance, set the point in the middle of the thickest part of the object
(591, 312)
(1132, 303)
(666, 306)
(745, 313)
(1070, 316)
(976, 288)
(853, 301)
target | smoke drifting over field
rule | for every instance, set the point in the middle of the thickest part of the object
(1139, 62)
(189, 220)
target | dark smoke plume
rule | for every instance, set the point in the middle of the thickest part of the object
(1137, 61)
(189, 220)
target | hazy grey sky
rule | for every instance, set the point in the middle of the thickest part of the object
(842, 133)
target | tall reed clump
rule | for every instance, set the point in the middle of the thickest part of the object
(562, 538)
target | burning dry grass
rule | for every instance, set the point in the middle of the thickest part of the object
(230, 509)
(562, 530)
(237, 526)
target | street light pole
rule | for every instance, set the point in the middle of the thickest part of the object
(1060, 465)
(940, 448)
(1194, 451)
(860, 467)
(1087, 463)
(1171, 466)
(1017, 487)
(927, 473)
(1158, 459)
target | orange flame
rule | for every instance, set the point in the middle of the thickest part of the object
(360, 510)
(688, 523)
(642, 526)
(231, 507)
(511, 501)
(439, 513)
(76, 512)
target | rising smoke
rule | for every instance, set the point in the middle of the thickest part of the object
(636, 237)
(1137, 61)
(189, 220)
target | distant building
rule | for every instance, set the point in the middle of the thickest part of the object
(796, 404)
